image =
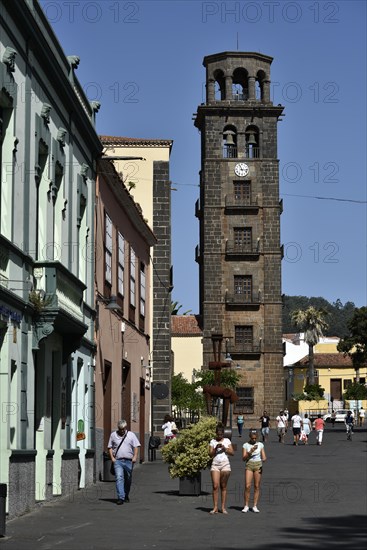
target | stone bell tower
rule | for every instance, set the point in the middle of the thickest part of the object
(239, 254)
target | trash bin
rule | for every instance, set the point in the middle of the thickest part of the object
(3, 493)
(154, 442)
(107, 476)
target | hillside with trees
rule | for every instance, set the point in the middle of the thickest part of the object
(338, 314)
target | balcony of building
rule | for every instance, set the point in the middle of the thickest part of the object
(58, 302)
(235, 201)
(239, 249)
(244, 300)
(245, 350)
(198, 257)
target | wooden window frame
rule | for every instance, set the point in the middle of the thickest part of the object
(108, 249)
(246, 401)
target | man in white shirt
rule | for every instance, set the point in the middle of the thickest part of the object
(123, 448)
(297, 426)
(282, 425)
(361, 417)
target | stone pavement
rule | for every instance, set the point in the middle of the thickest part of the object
(312, 496)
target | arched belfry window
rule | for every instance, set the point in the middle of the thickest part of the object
(259, 85)
(229, 142)
(240, 85)
(219, 86)
(252, 142)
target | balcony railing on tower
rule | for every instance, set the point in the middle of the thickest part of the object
(245, 348)
(229, 151)
(234, 200)
(250, 299)
(241, 248)
(252, 152)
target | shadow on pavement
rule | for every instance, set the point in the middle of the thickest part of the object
(325, 533)
(172, 493)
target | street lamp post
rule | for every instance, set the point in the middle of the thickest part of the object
(217, 391)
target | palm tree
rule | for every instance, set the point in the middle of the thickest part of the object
(312, 322)
(175, 308)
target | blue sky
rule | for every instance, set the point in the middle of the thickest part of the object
(143, 61)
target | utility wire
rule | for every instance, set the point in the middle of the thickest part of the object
(324, 198)
(282, 194)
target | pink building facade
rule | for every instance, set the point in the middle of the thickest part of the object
(122, 274)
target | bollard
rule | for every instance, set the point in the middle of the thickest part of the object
(3, 493)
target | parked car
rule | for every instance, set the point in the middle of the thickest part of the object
(340, 415)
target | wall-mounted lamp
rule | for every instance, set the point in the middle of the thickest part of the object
(227, 357)
(113, 305)
(238, 366)
(110, 303)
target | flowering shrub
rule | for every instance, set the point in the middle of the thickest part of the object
(188, 454)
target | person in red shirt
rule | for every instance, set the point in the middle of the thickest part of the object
(319, 425)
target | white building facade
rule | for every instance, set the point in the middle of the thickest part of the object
(48, 147)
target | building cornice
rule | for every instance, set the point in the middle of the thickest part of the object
(240, 55)
(48, 52)
(135, 142)
(107, 170)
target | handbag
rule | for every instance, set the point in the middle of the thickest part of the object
(112, 468)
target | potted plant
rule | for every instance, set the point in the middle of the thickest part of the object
(188, 454)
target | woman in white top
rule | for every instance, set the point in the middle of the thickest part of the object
(170, 429)
(254, 455)
(306, 427)
(282, 425)
(219, 449)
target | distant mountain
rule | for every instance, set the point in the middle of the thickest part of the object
(338, 318)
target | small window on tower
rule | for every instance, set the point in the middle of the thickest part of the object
(243, 287)
(243, 238)
(242, 192)
(243, 338)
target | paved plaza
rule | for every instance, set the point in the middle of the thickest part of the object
(312, 497)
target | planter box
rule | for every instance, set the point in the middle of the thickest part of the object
(190, 486)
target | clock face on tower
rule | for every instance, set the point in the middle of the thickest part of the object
(241, 169)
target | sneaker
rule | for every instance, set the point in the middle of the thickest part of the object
(245, 509)
(255, 509)
(127, 499)
(119, 502)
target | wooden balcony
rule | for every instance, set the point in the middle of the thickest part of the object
(236, 202)
(243, 250)
(198, 257)
(245, 350)
(243, 301)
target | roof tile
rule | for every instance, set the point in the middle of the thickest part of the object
(327, 360)
(186, 325)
